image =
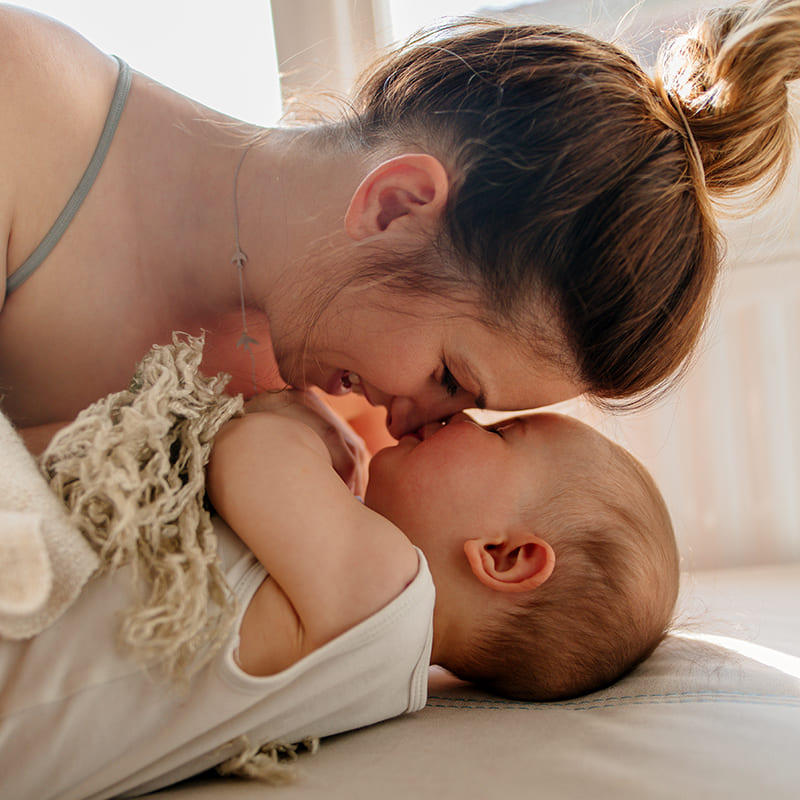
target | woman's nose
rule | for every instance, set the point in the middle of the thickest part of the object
(404, 414)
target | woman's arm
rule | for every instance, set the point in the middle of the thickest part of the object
(270, 478)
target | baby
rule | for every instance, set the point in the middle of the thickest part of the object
(550, 548)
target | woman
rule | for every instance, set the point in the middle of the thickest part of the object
(509, 217)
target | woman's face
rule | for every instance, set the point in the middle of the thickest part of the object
(422, 360)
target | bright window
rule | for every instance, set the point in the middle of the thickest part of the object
(409, 15)
(220, 54)
(639, 25)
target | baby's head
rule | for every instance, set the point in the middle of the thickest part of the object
(550, 546)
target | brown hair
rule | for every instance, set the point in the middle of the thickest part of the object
(609, 600)
(575, 182)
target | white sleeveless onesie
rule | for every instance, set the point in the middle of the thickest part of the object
(79, 720)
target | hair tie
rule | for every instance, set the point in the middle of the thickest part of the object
(688, 136)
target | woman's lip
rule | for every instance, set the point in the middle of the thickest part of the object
(335, 385)
(423, 432)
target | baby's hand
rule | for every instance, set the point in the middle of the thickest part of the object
(349, 454)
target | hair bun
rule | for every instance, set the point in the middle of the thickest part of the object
(728, 77)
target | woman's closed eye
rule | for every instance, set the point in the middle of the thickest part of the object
(450, 384)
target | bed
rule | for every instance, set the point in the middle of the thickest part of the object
(714, 713)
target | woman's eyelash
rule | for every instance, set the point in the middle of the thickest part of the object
(449, 382)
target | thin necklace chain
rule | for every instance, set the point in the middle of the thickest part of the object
(240, 259)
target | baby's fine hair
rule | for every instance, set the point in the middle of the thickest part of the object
(609, 600)
(581, 187)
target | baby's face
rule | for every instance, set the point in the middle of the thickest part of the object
(448, 483)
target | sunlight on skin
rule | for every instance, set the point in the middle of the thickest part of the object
(790, 665)
(369, 422)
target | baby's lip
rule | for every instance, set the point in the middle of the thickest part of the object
(430, 428)
(421, 433)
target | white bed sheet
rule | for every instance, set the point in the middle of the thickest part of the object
(705, 719)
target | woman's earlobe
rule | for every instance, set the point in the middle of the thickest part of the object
(408, 189)
(516, 563)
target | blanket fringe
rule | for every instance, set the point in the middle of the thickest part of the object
(130, 470)
(272, 763)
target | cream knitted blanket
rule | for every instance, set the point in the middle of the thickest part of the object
(44, 559)
(130, 472)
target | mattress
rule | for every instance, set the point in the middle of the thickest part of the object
(715, 712)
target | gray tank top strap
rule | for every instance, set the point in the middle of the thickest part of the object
(27, 268)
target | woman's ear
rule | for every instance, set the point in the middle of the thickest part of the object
(407, 189)
(513, 563)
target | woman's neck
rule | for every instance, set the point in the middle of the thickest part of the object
(293, 192)
(279, 198)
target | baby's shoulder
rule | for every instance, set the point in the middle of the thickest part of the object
(273, 637)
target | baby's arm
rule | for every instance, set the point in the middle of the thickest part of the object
(270, 478)
(348, 450)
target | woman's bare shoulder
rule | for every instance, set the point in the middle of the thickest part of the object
(55, 90)
(39, 53)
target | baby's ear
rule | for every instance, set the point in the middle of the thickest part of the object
(511, 563)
